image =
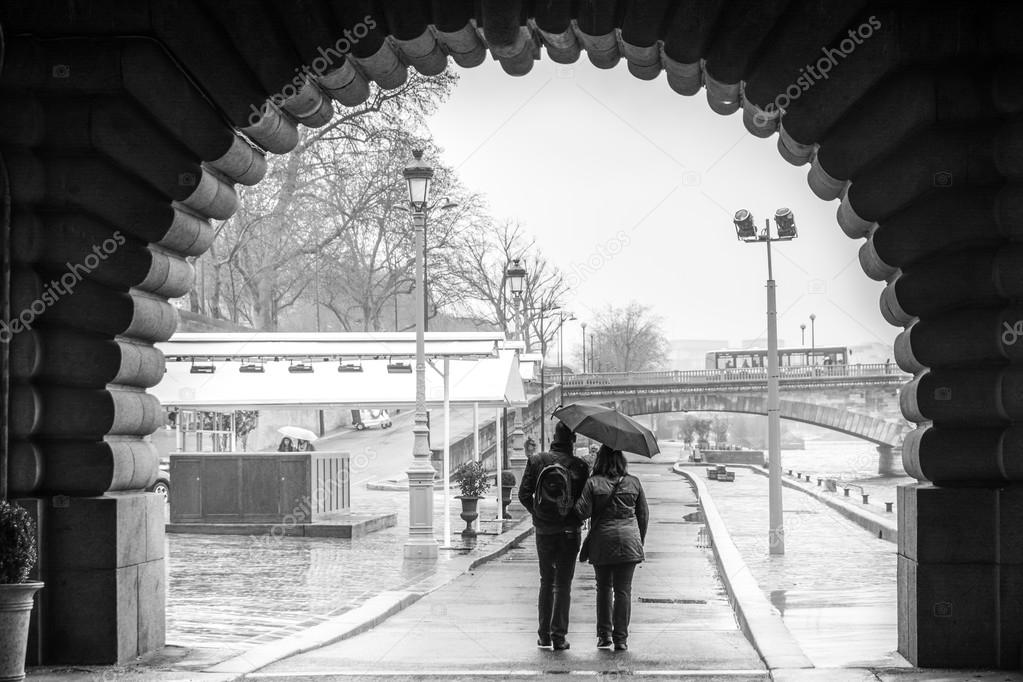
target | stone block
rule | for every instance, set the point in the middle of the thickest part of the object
(948, 525)
(947, 615)
(91, 616)
(156, 511)
(152, 605)
(103, 532)
(1010, 526)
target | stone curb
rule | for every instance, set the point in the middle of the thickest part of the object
(365, 617)
(868, 520)
(758, 619)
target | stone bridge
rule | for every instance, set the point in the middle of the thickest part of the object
(846, 400)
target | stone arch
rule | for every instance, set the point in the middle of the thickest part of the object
(142, 130)
(870, 429)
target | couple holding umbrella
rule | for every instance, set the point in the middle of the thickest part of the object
(560, 492)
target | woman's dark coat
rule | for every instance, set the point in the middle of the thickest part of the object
(618, 534)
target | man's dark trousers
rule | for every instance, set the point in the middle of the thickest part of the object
(557, 553)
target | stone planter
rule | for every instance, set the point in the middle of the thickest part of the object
(15, 610)
(470, 512)
(506, 498)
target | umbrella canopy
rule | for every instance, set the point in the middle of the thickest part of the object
(297, 432)
(610, 427)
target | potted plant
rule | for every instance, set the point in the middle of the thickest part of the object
(17, 557)
(473, 482)
(507, 483)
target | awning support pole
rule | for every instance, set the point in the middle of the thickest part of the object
(447, 453)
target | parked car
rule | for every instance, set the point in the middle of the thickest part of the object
(162, 483)
(364, 419)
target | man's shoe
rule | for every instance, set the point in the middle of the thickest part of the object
(561, 645)
(604, 643)
(621, 646)
(543, 642)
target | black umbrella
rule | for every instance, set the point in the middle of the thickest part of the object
(610, 427)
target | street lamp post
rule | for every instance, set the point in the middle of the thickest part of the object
(583, 325)
(421, 543)
(802, 335)
(813, 340)
(745, 230)
(515, 276)
(561, 346)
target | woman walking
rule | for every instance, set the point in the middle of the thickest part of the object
(619, 511)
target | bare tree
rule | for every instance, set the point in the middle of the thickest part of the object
(628, 339)
(480, 270)
(267, 256)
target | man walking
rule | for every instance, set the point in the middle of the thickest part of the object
(551, 484)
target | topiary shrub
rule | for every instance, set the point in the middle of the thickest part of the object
(17, 544)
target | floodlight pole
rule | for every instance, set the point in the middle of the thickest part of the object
(776, 534)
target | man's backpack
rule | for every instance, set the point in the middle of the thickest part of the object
(552, 498)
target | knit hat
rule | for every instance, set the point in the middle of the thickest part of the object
(563, 434)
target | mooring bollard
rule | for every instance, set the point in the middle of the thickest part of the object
(790, 472)
(819, 481)
(888, 506)
(846, 491)
(865, 496)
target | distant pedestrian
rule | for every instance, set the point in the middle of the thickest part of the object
(286, 445)
(617, 503)
(551, 485)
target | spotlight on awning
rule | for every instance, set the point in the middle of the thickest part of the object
(208, 368)
(252, 368)
(300, 368)
(349, 367)
(399, 368)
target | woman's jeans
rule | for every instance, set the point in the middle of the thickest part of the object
(614, 600)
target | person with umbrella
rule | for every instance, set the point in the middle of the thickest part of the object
(617, 503)
(551, 484)
(620, 514)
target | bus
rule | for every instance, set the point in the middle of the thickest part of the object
(748, 358)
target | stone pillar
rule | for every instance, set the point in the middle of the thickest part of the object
(517, 461)
(887, 461)
(116, 163)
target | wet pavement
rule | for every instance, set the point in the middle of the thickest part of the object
(236, 592)
(835, 586)
(483, 624)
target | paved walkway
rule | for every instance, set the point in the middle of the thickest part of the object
(835, 586)
(483, 624)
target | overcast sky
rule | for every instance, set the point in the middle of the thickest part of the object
(630, 189)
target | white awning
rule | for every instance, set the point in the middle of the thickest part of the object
(489, 381)
(312, 346)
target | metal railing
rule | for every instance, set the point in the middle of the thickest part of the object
(735, 375)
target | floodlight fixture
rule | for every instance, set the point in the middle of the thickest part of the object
(786, 223)
(745, 228)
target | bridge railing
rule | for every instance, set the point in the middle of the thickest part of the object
(740, 374)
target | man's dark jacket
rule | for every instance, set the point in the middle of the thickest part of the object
(578, 472)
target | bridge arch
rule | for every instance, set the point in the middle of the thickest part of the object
(871, 429)
(135, 133)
